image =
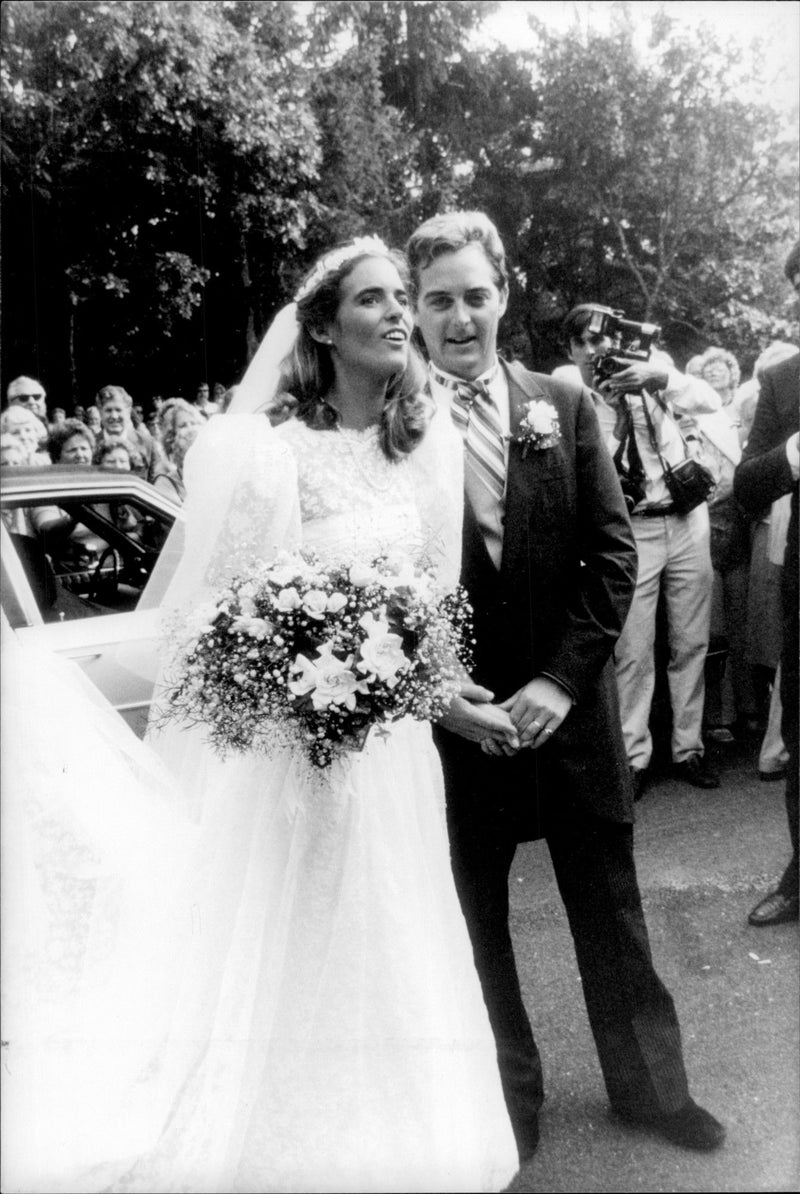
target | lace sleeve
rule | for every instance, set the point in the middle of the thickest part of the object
(438, 472)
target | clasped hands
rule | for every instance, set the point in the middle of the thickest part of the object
(527, 719)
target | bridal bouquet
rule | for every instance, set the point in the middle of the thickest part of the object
(300, 653)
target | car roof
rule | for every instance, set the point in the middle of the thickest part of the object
(80, 480)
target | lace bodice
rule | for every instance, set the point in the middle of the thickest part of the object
(353, 501)
(254, 490)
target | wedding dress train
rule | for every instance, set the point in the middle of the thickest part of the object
(320, 1026)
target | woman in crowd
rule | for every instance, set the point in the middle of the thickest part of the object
(731, 703)
(29, 430)
(71, 442)
(328, 1028)
(180, 424)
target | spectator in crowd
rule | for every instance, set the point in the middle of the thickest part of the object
(638, 409)
(747, 393)
(12, 452)
(71, 442)
(137, 415)
(731, 701)
(21, 422)
(180, 423)
(764, 614)
(218, 395)
(227, 399)
(153, 424)
(79, 413)
(115, 406)
(93, 420)
(770, 468)
(13, 455)
(116, 456)
(203, 402)
(26, 391)
(59, 416)
(721, 370)
(773, 756)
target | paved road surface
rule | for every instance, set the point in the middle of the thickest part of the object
(703, 859)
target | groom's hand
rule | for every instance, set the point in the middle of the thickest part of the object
(472, 716)
(537, 710)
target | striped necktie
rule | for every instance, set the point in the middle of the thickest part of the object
(478, 419)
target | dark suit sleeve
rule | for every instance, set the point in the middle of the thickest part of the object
(764, 474)
(598, 604)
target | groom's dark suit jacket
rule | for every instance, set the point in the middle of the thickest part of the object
(556, 606)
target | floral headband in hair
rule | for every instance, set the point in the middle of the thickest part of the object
(336, 258)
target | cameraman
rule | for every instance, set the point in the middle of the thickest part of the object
(637, 402)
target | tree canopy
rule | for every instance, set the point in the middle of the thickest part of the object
(170, 167)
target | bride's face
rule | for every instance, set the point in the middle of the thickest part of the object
(372, 329)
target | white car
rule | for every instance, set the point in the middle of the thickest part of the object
(73, 584)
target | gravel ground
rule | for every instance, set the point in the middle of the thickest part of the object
(704, 858)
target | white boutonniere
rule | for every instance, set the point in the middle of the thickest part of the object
(539, 427)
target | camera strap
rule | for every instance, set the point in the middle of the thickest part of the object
(635, 466)
(651, 431)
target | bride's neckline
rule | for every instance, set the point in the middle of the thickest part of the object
(359, 433)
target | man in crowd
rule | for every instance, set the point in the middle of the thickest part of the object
(769, 469)
(115, 405)
(203, 402)
(26, 391)
(549, 563)
(638, 408)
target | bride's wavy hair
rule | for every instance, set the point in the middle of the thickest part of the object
(307, 375)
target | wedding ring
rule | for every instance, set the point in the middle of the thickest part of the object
(538, 724)
(547, 731)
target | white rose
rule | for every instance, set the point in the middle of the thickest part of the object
(288, 599)
(336, 602)
(540, 418)
(329, 679)
(382, 657)
(361, 575)
(315, 603)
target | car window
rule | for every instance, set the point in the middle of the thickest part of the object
(84, 557)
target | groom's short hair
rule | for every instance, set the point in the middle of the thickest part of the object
(450, 232)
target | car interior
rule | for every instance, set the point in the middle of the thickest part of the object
(99, 565)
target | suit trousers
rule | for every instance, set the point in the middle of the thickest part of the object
(674, 558)
(631, 1013)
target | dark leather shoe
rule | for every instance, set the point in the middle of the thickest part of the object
(528, 1143)
(695, 770)
(691, 1127)
(638, 781)
(774, 909)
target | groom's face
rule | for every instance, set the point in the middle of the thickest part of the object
(459, 306)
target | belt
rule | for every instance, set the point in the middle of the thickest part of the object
(654, 511)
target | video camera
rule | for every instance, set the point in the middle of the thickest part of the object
(634, 341)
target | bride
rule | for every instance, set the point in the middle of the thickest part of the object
(322, 1026)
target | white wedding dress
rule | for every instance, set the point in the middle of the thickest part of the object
(321, 1025)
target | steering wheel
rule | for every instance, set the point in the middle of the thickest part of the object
(98, 581)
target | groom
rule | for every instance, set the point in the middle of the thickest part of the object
(549, 562)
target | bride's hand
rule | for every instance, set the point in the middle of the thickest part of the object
(472, 716)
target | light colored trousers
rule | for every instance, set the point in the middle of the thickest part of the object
(773, 755)
(674, 558)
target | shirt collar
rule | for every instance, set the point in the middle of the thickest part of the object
(452, 382)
